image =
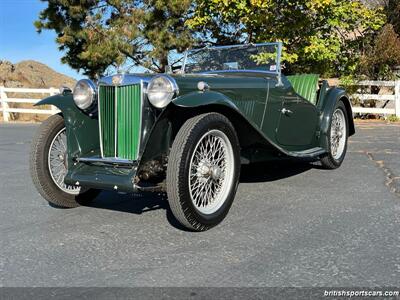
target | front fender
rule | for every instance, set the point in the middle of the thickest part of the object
(248, 130)
(211, 98)
(61, 101)
(196, 99)
(82, 130)
(184, 107)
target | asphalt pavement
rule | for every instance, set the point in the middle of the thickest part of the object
(290, 225)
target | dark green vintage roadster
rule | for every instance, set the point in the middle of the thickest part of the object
(187, 132)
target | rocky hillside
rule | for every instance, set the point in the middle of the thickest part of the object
(31, 74)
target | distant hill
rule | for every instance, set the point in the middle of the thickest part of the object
(31, 74)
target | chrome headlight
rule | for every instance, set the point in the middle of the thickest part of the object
(161, 90)
(84, 94)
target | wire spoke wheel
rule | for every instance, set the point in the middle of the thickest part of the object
(203, 171)
(58, 163)
(211, 172)
(338, 134)
(48, 165)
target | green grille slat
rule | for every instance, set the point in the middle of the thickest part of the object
(125, 129)
(129, 113)
(107, 119)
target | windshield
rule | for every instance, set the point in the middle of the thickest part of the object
(262, 57)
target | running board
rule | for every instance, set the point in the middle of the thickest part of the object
(309, 153)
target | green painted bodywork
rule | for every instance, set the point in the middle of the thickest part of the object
(260, 100)
(83, 141)
(253, 101)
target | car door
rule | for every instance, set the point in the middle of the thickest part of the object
(272, 107)
(298, 119)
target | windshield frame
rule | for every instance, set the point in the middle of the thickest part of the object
(278, 57)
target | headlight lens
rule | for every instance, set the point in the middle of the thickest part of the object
(84, 94)
(161, 90)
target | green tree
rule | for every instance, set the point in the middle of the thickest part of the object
(95, 34)
(324, 36)
(391, 9)
(381, 59)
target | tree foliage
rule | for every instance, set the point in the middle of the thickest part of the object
(381, 59)
(94, 34)
(393, 14)
(323, 36)
(391, 9)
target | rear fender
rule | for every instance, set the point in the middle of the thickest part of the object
(327, 107)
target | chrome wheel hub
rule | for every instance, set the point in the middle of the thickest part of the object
(338, 134)
(207, 170)
(211, 172)
(58, 163)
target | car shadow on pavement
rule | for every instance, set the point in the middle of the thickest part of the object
(140, 203)
(136, 203)
(274, 170)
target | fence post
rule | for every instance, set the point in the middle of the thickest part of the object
(397, 98)
(53, 92)
(4, 104)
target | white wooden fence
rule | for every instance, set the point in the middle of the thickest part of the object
(6, 109)
(395, 96)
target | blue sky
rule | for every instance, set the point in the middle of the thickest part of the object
(20, 41)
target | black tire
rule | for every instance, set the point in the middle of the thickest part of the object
(328, 161)
(178, 171)
(40, 172)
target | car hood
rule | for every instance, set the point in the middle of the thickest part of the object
(187, 83)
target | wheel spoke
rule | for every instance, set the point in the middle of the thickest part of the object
(208, 182)
(338, 134)
(57, 162)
